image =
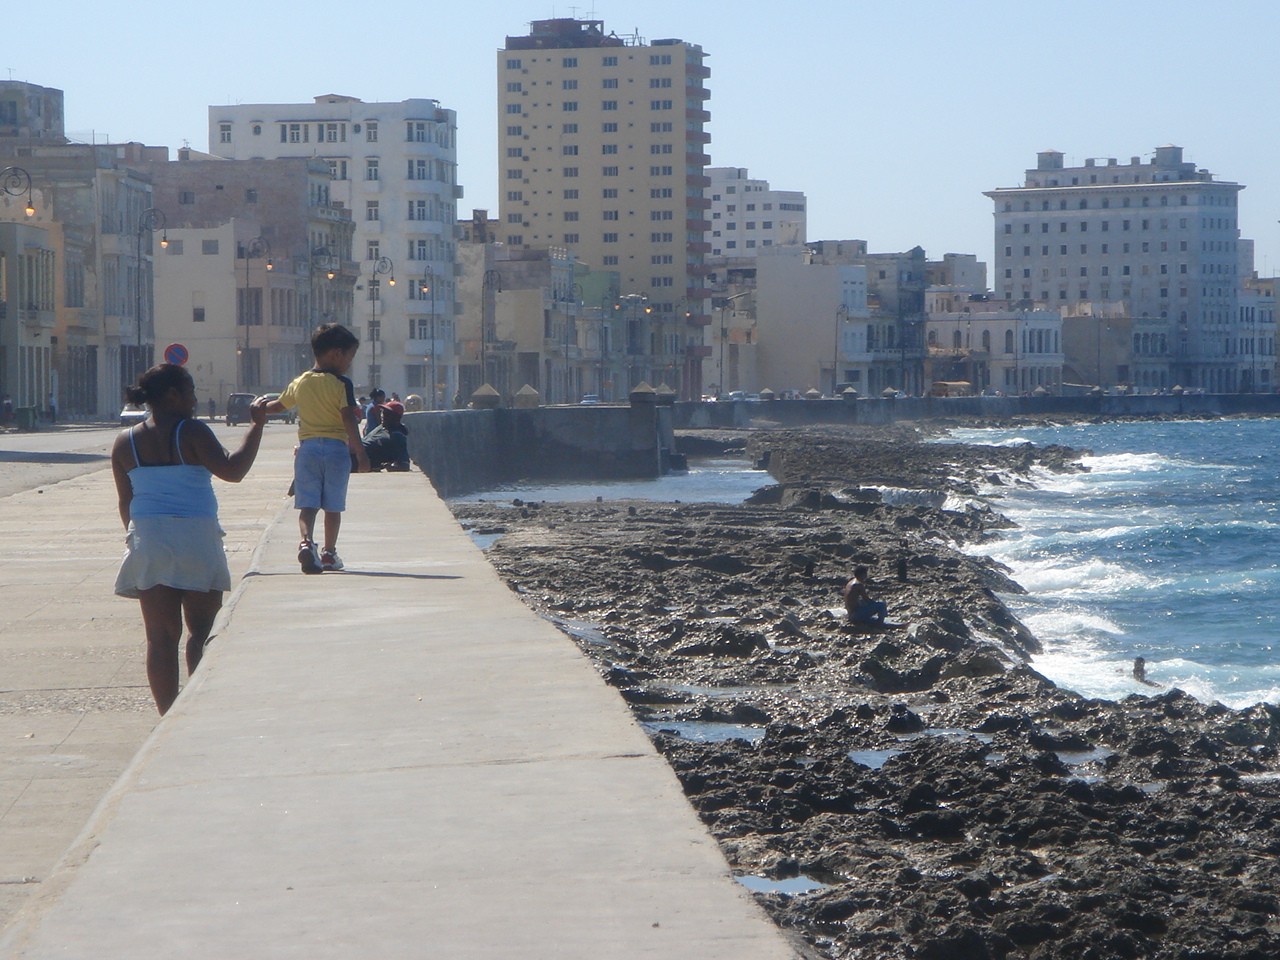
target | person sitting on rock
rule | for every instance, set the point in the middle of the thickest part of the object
(858, 602)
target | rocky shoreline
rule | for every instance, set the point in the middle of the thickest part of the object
(915, 790)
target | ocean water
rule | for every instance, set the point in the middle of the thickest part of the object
(706, 481)
(1168, 549)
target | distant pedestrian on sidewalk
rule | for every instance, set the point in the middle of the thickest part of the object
(329, 442)
(174, 563)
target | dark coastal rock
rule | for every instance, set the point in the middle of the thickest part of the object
(956, 803)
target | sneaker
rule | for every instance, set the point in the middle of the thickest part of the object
(329, 560)
(308, 557)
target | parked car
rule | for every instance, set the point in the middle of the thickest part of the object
(289, 416)
(589, 399)
(238, 408)
(132, 414)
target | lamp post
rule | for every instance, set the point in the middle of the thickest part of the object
(382, 267)
(255, 249)
(634, 341)
(429, 287)
(568, 369)
(150, 221)
(724, 336)
(492, 285)
(842, 314)
(15, 181)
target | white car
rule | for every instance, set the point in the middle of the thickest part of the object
(132, 414)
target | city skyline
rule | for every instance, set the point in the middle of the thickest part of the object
(892, 121)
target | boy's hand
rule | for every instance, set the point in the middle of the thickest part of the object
(258, 411)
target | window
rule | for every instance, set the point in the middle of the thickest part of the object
(371, 169)
(514, 108)
(197, 314)
(371, 131)
(418, 131)
(371, 209)
(609, 105)
(515, 173)
(609, 148)
(609, 215)
(224, 133)
(568, 128)
(571, 194)
(610, 83)
(570, 238)
(295, 133)
(660, 238)
(658, 60)
(610, 238)
(514, 64)
(515, 239)
(570, 171)
(417, 210)
(610, 171)
(610, 62)
(663, 215)
(661, 171)
(659, 82)
(335, 132)
(514, 86)
(662, 193)
(373, 250)
(515, 153)
(610, 260)
(664, 126)
(568, 84)
(571, 216)
(569, 62)
(660, 104)
(660, 148)
(608, 127)
(569, 150)
(250, 195)
(569, 106)
(186, 196)
(515, 131)
(209, 247)
(610, 193)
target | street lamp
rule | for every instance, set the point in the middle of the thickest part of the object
(724, 336)
(150, 221)
(382, 267)
(568, 370)
(428, 286)
(15, 181)
(492, 284)
(255, 249)
(635, 342)
(842, 314)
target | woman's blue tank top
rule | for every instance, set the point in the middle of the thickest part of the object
(174, 490)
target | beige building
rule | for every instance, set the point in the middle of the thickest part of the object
(602, 151)
(258, 256)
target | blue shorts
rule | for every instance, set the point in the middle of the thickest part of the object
(321, 470)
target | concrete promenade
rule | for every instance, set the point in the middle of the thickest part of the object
(399, 760)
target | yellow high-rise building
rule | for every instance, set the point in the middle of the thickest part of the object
(601, 150)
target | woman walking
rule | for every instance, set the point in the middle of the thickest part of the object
(174, 563)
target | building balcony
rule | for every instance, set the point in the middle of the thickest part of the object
(698, 351)
(694, 294)
(697, 91)
(422, 348)
(697, 136)
(697, 159)
(697, 226)
(696, 180)
(698, 246)
(698, 116)
(698, 203)
(692, 69)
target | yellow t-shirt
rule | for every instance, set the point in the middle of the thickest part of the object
(320, 397)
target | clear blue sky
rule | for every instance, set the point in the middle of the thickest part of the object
(892, 116)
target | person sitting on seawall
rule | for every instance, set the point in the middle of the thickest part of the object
(373, 412)
(858, 602)
(174, 563)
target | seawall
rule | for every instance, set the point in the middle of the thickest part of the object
(739, 414)
(466, 450)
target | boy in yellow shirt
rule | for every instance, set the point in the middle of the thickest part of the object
(328, 440)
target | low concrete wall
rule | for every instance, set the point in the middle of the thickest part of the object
(738, 414)
(467, 450)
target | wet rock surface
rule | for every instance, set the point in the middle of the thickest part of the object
(938, 797)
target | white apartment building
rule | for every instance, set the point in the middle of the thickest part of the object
(394, 165)
(1161, 236)
(748, 215)
(996, 347)
(601, 150)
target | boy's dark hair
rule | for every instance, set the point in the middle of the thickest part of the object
(156, 382)
(860, 572)
(332, 336)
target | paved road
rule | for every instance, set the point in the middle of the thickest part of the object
(74, 702)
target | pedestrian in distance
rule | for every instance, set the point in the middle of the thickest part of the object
(174, 563)
(328, 442)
